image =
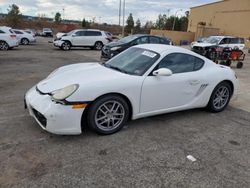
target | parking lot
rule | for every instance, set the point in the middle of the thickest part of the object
(149, 152)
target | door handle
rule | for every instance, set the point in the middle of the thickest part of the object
(194, 82)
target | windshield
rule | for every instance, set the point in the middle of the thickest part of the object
(212, 40)
(128, 39)
(134, 61)
(69, 33)
(46, 29)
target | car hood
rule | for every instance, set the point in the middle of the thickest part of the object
(114, 44)
(203, 44)
(84, 74)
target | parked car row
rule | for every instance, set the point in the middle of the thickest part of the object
(10, 38)
(103, 40)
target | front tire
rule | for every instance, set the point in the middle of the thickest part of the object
(108, 114)
(66, 46)
(220, 97)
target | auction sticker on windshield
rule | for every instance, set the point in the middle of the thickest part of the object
(149, 54)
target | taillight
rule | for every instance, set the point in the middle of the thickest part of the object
(13, 36)
(109, 39)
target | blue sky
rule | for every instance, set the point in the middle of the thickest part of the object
(102, 10)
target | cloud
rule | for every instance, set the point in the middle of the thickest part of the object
(101, 10)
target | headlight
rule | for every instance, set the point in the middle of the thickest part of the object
(115, 48)
(65, 92)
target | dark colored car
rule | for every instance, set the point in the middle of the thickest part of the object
(114, 48)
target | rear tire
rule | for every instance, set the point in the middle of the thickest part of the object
(98, 45)
(239, 65)
(66, 46)
(228, 63)
(25, 41)
(4, 45)
(220, 97)
(108, 114)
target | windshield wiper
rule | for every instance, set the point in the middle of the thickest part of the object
(115, 68)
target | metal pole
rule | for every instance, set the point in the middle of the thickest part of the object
(174, 22)
(120, 6)
(175, 18)
(123, 19)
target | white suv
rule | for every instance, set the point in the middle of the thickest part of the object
(8, 38)
(24, 37)
(222, 41)
(95, 39)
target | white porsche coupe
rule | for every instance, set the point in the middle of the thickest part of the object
(142, 81)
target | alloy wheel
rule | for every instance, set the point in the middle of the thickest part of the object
(4, 45)
(66, 46)
(25, 41)
(221, 97)
(98, 46)
(109, 115)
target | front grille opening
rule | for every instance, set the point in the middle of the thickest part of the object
(40, 117)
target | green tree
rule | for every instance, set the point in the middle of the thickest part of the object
(137, 26)
(130, 24)
(149, 25)
(85, 23)
(14, 16)
(161, 21)
(58, 17)
(164, 22)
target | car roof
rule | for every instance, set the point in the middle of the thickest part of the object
(148, 35)
(160, 48)
(163, 49)
(87, 30)
(5, 28)
(225, 36)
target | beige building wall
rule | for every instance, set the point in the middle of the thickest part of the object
(175, 36)
(231, 17)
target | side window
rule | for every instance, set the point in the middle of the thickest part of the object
(154, 40)
(79, 33)
(1, 31)
(97, 33)
(234, 41)
(93, 33)
(141, 40)
(164, 41)
(181, 63)
(242, 41)
(224, 41)
(237, 41)
(18, 32)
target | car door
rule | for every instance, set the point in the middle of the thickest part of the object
(177, 90)
(236, 43)
(140, 40)
(224, 42)
(78, 38)
(92, 37)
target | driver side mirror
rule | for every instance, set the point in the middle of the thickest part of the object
(162, 72)
(73, 35)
